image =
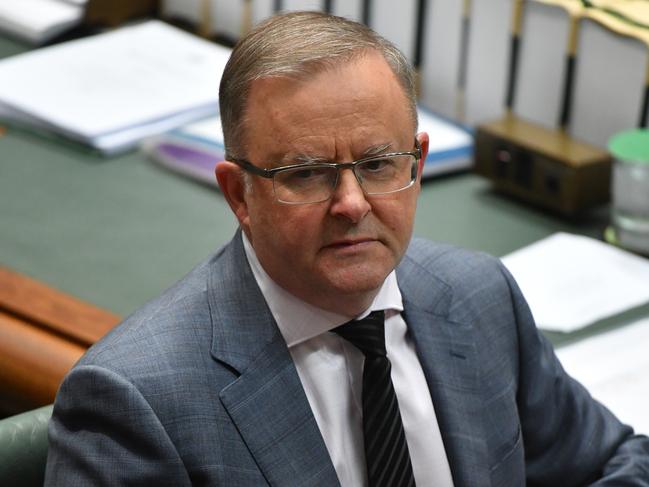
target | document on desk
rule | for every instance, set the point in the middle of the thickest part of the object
(571, 281)
(192, 150)
(37, 21)
(451, 144)
(614, 368)
(111, 90)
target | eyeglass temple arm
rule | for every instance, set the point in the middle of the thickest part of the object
(250, 167)
(418, 148)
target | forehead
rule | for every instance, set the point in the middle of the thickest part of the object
(334, 113)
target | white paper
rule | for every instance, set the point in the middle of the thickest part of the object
(614, 367)
(444, 135)
(112, 89)
(208, 130)
(37, 21)
(571, 281)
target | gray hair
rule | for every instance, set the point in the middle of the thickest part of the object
(296, 45)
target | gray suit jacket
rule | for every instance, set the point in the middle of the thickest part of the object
(198, 387)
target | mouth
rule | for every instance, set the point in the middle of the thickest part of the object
(351, 244)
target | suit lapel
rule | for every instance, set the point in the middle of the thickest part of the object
(266, 402)
(447, 352)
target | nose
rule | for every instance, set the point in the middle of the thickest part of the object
(349, 200)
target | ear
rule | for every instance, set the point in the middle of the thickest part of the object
(232, 186)
(422, 138)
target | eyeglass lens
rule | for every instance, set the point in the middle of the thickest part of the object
(314, 183)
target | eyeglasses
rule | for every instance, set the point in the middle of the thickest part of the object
(299, 184)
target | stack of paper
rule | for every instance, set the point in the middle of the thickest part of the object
(38, 21)
(111, 90)
(571, 281)
(195, 149)
(192, 150)
(451, 144)
(613, 367)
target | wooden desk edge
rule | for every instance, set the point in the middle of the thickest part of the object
(38, 303)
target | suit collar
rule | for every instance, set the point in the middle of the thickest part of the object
(266, 402)
(242, 325)
(447, 352)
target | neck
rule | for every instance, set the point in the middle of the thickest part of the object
(350, 306)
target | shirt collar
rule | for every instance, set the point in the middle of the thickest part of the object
(298, 320)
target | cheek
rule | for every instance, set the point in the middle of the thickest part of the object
(287, 230)
(398, 218)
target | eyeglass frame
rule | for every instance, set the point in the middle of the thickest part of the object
(249, 167)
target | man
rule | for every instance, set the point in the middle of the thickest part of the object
(240, 375)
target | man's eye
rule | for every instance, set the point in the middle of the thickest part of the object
(377, 165)
(303, 174)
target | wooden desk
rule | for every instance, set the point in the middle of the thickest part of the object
(43, 332)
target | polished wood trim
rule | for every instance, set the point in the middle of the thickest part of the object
(46, 307)
(33, 361)
(43, 332)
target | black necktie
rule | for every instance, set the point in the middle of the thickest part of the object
(386, 448)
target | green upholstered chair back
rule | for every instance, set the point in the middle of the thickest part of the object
(23, 448)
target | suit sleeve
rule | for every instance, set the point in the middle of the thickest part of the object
(570, 438)
(104, 433)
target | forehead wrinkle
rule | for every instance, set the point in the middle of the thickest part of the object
(304, 149)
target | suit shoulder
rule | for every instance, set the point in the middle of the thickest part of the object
(448, 263)
(469, 279)
(178, 316)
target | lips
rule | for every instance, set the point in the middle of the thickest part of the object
(350, 243)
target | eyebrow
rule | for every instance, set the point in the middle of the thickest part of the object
(376, 149)
(307, 159)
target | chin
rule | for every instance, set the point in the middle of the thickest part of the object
(358, 281)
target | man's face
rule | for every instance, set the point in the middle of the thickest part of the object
(334, 254)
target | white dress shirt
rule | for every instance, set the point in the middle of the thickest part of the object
(330, 369)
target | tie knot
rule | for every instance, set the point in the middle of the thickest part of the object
(368, 334)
